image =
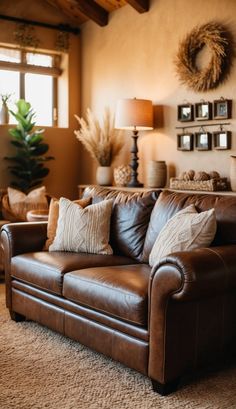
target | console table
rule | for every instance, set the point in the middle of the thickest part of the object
(81, 189)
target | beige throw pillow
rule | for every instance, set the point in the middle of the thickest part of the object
(186, 230)
(83, 230)
(53, 215)
(20, 203)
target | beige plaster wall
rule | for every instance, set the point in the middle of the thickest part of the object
(133, 57)
(64, 170)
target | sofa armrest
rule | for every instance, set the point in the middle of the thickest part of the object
(18, 238)
(201, 273)
(25, 237)
(192, 310)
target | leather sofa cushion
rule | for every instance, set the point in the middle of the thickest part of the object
(129, 223)
(129, 220)
(118, 291)
(169, 203)
(46, 270)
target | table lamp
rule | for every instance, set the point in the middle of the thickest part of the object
(135, 115)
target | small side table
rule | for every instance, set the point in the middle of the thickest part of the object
(37, 215)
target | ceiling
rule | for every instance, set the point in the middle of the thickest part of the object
(79, 11)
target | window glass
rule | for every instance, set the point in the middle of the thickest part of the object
(10, 84)
(41, 60)
(10, 55)
(39, 92)
(38, 89)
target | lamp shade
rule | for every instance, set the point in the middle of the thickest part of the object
(134, 114)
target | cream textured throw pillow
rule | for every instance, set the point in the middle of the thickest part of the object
(20, 203)
(186, 230)
(83, 230)
(53, 215)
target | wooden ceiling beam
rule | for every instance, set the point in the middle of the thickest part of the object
(93, 11)
(140, 5)
(80, 10)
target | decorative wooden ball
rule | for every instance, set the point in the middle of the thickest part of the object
(200, 176)
(214, 175)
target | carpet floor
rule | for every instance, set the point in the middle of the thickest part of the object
(41, 369)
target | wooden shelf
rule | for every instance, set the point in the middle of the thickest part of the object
(81, 189)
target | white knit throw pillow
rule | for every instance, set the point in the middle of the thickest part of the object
(186, 230)
(83, 230)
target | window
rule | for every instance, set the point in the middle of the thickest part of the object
(34, 77)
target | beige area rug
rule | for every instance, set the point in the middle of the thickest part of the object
(41, 369)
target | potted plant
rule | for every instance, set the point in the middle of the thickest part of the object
(29, 168)
(4, 114)
(102, 142)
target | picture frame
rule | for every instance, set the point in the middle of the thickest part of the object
(203, 141)
(222, 108)
(185, 113)
(222, 140)
(185, 142)
(203, 111)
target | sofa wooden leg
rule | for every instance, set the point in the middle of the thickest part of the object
(15, 316)
(165, 389)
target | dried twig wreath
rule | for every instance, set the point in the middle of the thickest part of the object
(218, 40)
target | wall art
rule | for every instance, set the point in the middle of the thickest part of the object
(185, 112)
(203, 141)
(185, 142)
(203, 111)
(222, 108)
(218, 40)
(222, 140)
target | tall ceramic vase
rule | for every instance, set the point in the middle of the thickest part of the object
(232, 173)
(4, 114)
(104, 175)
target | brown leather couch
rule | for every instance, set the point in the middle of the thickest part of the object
(166, 322)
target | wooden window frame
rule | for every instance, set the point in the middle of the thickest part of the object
(23, 68)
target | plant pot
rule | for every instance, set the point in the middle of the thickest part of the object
(4, 115)
(104, 175)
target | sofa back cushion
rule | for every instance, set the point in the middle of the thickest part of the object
(169, 203)
(129, 220)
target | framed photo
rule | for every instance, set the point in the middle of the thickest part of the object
(203, 141)
(222, 140)
(185, 142)
(203, 111)
(222, 108)
(185, 112)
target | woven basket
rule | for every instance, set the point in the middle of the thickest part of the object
(7, 211)
(211, 185)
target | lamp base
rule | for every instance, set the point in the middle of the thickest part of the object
(134, 183)
(134, 163)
